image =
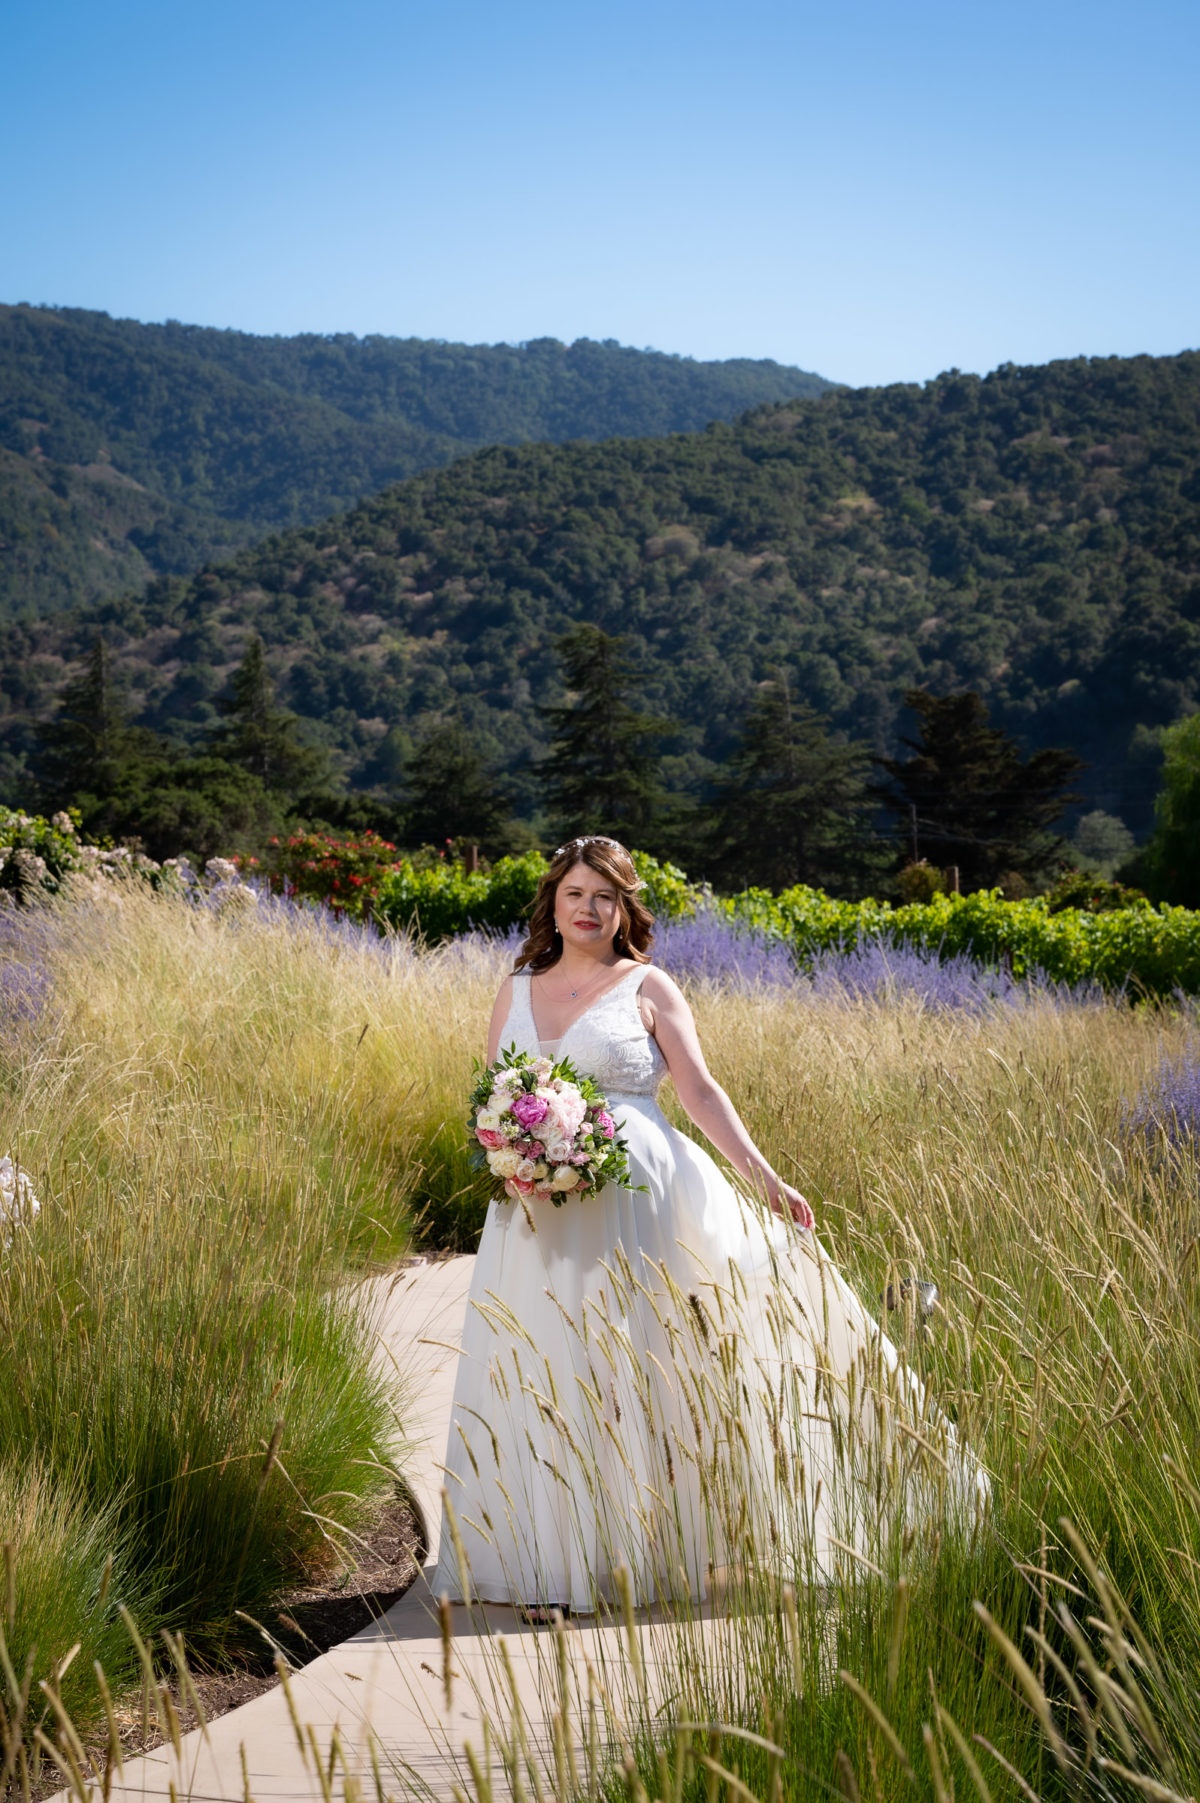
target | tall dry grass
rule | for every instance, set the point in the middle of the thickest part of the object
(1058, 1647)
(229, 1116)
(221, 1115)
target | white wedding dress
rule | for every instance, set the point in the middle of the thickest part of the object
(671, 1379)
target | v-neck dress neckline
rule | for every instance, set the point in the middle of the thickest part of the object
(558, 1038)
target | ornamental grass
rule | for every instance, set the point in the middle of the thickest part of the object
(221, 1136)
(229, 1115)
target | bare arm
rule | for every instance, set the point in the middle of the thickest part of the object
(499, 1015)
(704, 1101)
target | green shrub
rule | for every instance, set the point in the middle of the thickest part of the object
(443, 899)
(36, 853)
(1084, 889)
(1153, 951)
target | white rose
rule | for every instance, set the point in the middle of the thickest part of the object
(504, 1162)
(565, 1177)
(490, 1120)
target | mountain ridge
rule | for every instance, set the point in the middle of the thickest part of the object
(1033, 534)
(230, 435)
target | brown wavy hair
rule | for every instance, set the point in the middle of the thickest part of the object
(543, 944)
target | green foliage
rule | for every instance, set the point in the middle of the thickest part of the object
(794, 807)
(36, 853)
(968, 796)
(1171, 864)
(441, 897)
(601, 770)
(1100, 843)
(204, 806)
(1154, 951)
(131, 450)
(920, 881)
(449, 794)
(1032, 536)
(1084, 889)
(186, 1379)
(260, 736)
(445, 898)
(89, 745)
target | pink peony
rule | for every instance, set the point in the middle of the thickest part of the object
(487, 1136)
(568, 1110)
(530, 1110)
(605, 1123)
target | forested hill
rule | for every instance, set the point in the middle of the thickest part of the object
(1034, 534)
(129, 450)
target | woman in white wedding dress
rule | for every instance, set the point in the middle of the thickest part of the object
(671, 1379)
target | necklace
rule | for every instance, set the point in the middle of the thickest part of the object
(586, 987)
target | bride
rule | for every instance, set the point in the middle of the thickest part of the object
(670, 1380)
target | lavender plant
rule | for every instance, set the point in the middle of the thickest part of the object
(1168, 1105)
(710, 947)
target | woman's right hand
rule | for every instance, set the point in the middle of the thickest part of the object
(790, 1201)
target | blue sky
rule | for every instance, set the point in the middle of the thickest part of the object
(877, 192)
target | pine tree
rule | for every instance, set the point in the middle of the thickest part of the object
(602, 773)
(90, 749)
(450, 794)
(794, 807)
(966, 798)
(258, 735)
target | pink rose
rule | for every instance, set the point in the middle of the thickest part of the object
(487, 1136)
(530, 1110)
(604, 1123)
(517, 1186)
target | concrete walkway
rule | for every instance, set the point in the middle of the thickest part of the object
(372, 1717)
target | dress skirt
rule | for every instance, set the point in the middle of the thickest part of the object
(671, 1382)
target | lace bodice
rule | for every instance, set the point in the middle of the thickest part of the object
(607, 1042)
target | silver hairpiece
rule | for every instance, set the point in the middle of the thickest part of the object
(588, 839)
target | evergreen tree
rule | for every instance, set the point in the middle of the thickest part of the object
(129, 784)
(89, 743)
(450, 794)
(966, 798)
(258, 735)
(795, 806)
(89, 750)
(1170, 865)
(603, 776)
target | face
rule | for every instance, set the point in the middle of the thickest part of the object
(587, 909)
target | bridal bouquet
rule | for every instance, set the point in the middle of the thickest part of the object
(544, 1129)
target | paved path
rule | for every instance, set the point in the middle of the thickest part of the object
(374, 1711)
